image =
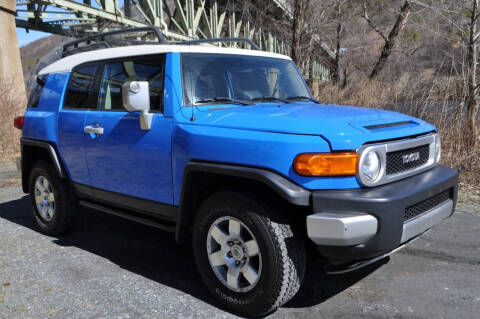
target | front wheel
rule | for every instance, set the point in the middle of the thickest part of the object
(247, 253)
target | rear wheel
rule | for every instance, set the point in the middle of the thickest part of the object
(247, 253)
(55, 207)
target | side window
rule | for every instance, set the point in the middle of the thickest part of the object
(117, 73)
(37, 90)
(79, 88)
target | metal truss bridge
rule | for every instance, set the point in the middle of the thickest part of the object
(178, 19)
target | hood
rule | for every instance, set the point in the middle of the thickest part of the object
(344, 127)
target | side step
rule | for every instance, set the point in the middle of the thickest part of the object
(129, 216)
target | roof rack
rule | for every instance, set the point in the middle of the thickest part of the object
(252, 44)
(99, 41)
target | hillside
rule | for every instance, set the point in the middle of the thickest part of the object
(33, 53)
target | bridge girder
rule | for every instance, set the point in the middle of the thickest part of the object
(178, 19)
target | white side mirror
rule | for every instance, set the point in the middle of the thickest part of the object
(136, 98)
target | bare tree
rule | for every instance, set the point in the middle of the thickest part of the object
(464, 18)
(391, 39)
(299, 24)
(339, 29)
(472, 101)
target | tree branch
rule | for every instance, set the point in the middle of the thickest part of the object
(475, 88)
(475, 37)
(392, 38)
(370, 22)
(477, 16)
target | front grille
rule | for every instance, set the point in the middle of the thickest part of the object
(426, 205)
(400, 161)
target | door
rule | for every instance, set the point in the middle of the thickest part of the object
(122, 159)
(79, 98)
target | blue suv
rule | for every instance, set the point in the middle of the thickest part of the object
(227, 148)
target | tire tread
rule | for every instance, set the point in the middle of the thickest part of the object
(283, 237)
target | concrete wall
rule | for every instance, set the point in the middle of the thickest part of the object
(12, 88)
(10, 63)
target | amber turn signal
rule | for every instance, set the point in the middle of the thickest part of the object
(326, 164)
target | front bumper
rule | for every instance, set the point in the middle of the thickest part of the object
(358, 224)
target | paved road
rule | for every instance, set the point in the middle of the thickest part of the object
(113, 268)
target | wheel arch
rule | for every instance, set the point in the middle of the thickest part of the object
(34, 150)
(200, 179)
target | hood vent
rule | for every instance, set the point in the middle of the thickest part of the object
(388, 125)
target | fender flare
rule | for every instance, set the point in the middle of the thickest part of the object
(288, 190)
(50, 149)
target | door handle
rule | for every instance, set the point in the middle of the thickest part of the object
(91, 129)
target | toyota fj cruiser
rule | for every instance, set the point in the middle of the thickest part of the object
(228, 149)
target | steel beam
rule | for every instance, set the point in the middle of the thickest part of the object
(180, 19)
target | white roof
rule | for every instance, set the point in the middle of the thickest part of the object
(68, 63)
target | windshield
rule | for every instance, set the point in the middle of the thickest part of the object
(215, 78)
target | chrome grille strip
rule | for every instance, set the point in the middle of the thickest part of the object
(383, 149)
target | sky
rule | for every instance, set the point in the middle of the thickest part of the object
(25, 38)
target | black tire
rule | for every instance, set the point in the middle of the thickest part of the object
(281, 250)
(66, 215)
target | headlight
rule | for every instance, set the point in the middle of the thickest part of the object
(438, 149)
(370, 166)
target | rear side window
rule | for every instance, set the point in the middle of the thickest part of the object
(80, 87)
(118, 72)
(37, 90)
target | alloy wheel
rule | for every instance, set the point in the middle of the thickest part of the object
(44, 198)
(234, 254)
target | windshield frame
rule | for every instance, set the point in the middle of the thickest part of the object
(182, 77)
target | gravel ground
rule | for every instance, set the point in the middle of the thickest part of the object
(113, 268)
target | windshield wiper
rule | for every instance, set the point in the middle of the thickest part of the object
(301, 97)
(269, 98)
(223, 99)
